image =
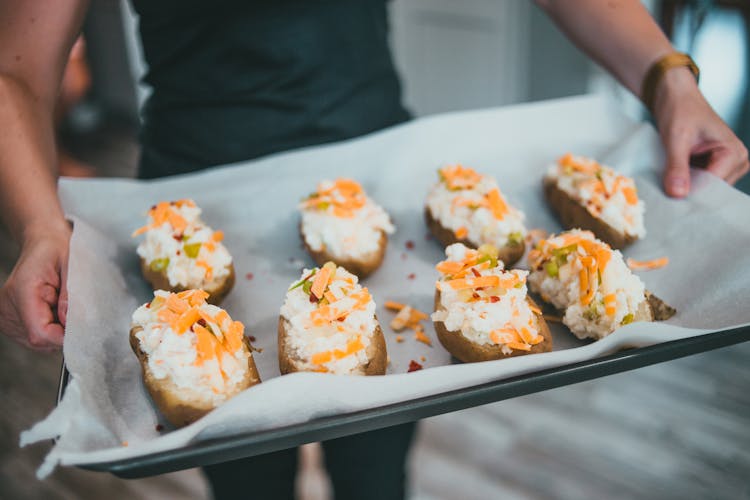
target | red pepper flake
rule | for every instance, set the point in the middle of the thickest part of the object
(249, 276)
(148, 305)
(475, 295)
(179, 253)
(313, 298)
(494, 298)
(251, 337)
(202, 322)
(410, 245)
(177, 237)
(411, 276)
(159, 427)
(475, 272)
(413, 366)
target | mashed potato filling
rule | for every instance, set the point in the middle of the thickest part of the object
(331, 321)
(472, 206)
(607, 195)
(181, 245)
(194, 344)
(341, 219)
(584, 277)
(483, 302)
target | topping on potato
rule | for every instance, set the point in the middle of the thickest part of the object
(340, 223)
(585, 278)
(467, 207)
(193, 355)
(328, 324)
(180, 252)
(588, 195)
(482, 312)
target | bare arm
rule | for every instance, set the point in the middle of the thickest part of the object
(35, 39)
(622, 36)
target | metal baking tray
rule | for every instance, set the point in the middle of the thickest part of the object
(237, 446)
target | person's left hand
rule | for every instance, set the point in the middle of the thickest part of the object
(694, 135)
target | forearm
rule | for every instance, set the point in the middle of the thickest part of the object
(620, 35)
(28, 178)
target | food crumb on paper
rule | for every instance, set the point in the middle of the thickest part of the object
(399, 338)
(249, 276)
(410, 245)
(411, 276)
(413, 366)
(422, 359)
(420, 336)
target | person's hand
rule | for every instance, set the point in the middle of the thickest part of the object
(694, 135)
(34, 299)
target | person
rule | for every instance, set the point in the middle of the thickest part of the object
(235, 80)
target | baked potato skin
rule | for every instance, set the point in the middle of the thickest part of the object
(159, 281)
(509, 254)
(574, 215)
(361, 268)
(376, 352)
(469, 352)
(178, 408)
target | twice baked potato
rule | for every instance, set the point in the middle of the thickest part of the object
(180, 252)
(482, 312)
(328, 324)
(341, 224)
(466, 207)
(590, 283)
(193, 356)
(587, 195)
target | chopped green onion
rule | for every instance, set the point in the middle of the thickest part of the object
(627, 319)
(553, 271)
(303, 280)
(307, 287)
(592, 313)
(515, 238)
(192, 249)
(158, 265)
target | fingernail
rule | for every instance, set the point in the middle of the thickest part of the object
(678, 186)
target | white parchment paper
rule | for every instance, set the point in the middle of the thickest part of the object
(106, 413)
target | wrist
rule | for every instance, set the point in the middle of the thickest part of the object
(55, 228)
(676, 85)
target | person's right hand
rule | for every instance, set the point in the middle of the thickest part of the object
(34, 299)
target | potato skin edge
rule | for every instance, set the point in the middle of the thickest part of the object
(178, 410)
(572, 215)
(159, 281)
(360, 268)
(509, 254)
(377, 352)
(470, 352)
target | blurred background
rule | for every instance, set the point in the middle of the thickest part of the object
(675, 430)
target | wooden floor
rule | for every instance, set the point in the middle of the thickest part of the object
(676, 430)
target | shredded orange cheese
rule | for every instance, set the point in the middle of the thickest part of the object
(343, 198)
(459, 177)
(183, 311)
(163, 213)
(594, 183)
(647, 265)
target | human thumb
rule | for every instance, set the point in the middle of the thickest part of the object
(677, 171)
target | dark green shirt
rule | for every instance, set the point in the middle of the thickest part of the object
(235, 80)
